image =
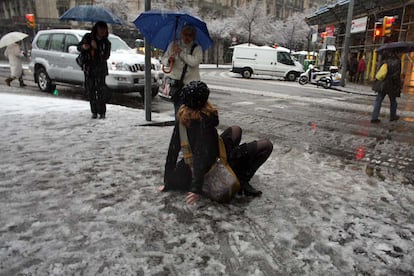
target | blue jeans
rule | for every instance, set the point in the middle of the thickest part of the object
(377, 106)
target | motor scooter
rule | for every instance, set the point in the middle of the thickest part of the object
(321, 78)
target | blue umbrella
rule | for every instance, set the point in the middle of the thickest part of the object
(88, 13)
(161, 27)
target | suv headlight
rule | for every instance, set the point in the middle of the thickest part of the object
(119, 66)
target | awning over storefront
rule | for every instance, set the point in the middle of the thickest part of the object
(338, 11)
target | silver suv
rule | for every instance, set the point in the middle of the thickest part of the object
(53, 60)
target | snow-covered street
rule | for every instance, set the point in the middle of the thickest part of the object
(78, 197)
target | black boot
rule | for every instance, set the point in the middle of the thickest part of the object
(248, 190)
(21, 82)
(8, 81)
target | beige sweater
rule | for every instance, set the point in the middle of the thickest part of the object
(193, 61)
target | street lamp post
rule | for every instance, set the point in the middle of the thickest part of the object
(148, 77)
(346, 42)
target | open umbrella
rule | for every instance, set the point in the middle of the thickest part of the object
(397, 47)
(11, 38)
(161, 27)
(91, 13)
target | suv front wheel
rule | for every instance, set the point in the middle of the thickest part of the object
(154, 92)
(43, 80)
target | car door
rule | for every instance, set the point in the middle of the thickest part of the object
(56, 60)
(284, 64)
(73, 73)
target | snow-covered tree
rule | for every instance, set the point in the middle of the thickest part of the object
(293, 32)
(252, 22)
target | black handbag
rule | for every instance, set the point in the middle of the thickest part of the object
(378, 86)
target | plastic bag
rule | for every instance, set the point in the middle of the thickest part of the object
(382, 72)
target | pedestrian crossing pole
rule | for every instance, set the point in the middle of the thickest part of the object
(148, 76)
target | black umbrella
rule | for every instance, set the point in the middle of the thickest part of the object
(91, 13)
(396, 47)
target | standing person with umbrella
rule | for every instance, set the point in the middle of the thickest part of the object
(96, 49)
(183, 57)
(15, 56)
(389, 83)
(176, 33)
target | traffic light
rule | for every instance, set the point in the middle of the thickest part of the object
(323, 36)
(387, 25)
(378, 30)
(30, 20)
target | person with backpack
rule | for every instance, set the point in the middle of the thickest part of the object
(95, 50)
(388, 82)
(183, 58)
(200, 119)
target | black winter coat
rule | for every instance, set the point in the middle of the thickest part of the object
(203, 140)
(392, 82)
(96, 63)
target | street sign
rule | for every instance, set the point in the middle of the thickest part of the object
(359, 25)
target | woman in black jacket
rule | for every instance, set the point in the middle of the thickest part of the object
(96, 49)
(201, 119)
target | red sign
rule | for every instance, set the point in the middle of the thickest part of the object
(330, 30)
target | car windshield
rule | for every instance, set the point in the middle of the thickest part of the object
(117, 44)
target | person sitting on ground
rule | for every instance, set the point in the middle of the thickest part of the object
(200, 118)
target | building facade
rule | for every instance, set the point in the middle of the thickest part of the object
(364, 42)
(47, 13)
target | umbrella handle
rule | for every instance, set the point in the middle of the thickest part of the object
(168, 69)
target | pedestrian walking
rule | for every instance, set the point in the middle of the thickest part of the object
(388, 82)
(200, 119)
(352, 68)
(361, 70)
(15, 56)
(95, 49)
(183, 57)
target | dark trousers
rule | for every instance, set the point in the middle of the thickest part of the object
(95, 87)
(378, 102)
(245, 159)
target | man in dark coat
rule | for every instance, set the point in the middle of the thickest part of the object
(391, 86)
(96, 49)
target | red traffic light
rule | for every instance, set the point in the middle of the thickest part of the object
(378, 30)
(30, 20)
(388, 21)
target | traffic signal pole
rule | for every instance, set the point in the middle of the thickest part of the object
(346, 42)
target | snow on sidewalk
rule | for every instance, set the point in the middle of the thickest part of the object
(78, 197)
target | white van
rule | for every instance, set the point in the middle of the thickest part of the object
(265, 60)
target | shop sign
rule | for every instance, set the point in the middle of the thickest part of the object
(359, 25)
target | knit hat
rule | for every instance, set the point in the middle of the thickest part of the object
(195, 94)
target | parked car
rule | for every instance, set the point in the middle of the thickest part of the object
(53, 60)
(264, 60)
